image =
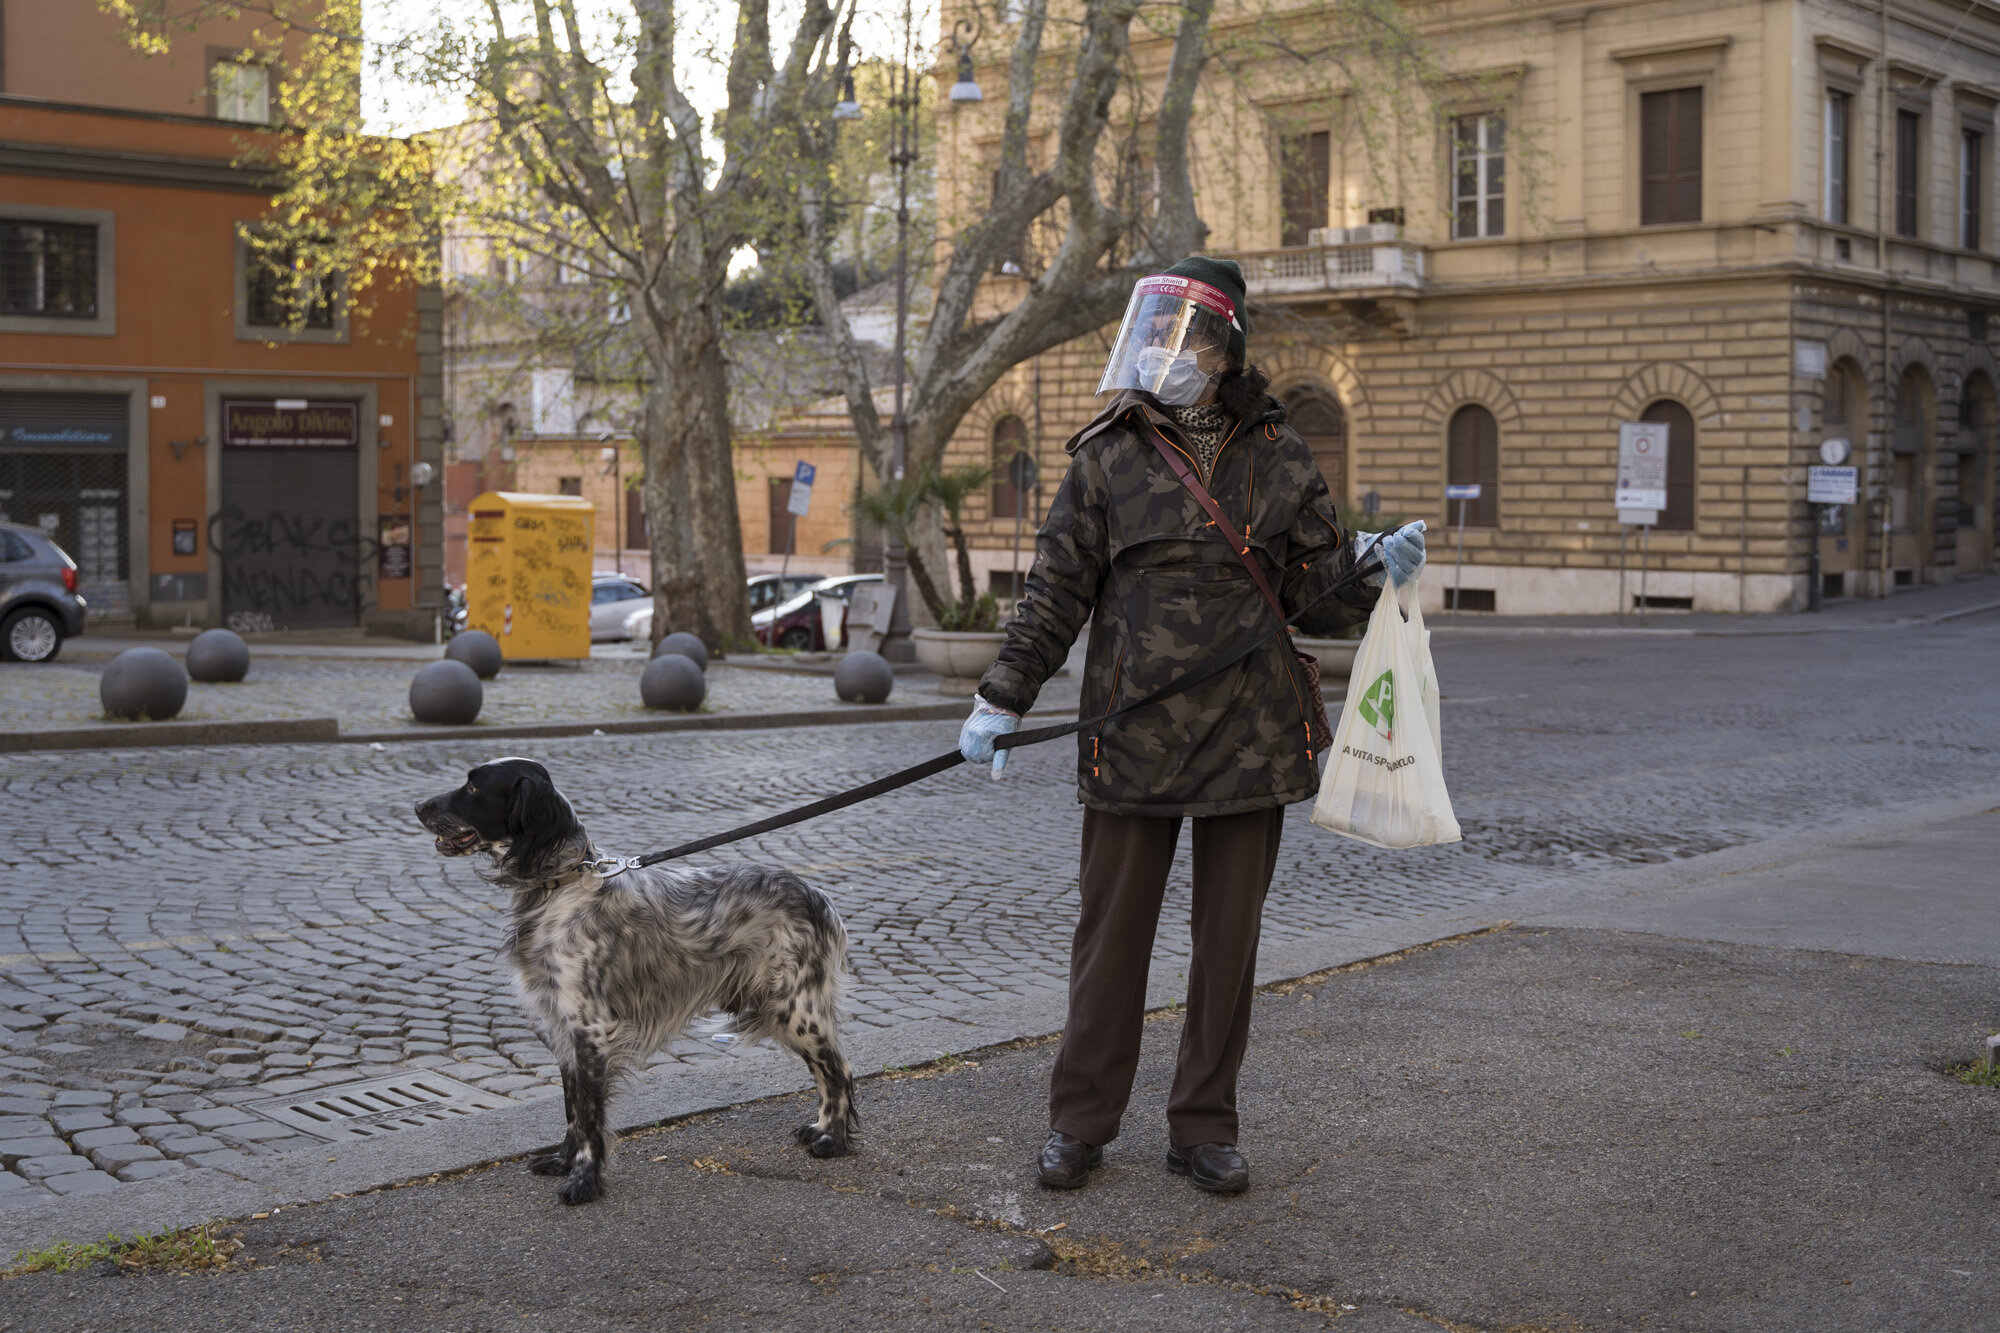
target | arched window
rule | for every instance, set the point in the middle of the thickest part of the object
(1678, 516)
(1317, 417)
(1010, 441)
(1844, 405)
(1473, 459)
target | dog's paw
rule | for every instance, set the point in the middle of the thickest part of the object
(583, 1187)
(550, 1164)
(806, 1133)
(830, 1145)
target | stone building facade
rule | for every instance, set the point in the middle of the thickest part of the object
(1763, 223)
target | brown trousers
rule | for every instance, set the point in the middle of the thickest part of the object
(1123, 875)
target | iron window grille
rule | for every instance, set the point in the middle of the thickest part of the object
(48, 269)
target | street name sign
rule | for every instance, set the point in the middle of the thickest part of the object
(1470, 492)
(1642, 465)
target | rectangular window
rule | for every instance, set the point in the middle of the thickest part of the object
(242, 91)
(266, 288)
(1670, 156)
(1971, 180)
(49, 269)
(1479, 176)
(1307, 173)
(1909, 152)
(569, 486)
(1839, 109)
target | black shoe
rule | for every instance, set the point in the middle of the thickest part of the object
(1215, 1167)
(1066, 1163)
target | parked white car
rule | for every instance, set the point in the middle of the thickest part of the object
(765, 591)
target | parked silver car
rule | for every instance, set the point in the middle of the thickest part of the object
(39, 604)
(613, 599)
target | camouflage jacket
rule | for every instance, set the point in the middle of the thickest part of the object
(1128, 548)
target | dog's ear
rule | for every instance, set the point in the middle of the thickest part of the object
(540, 823)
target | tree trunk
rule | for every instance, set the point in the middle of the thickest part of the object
(969, 592)
(690, 486)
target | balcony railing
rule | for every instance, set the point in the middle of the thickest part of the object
(1341, 259)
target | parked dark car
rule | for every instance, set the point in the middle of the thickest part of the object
(39, 604)
(797, 623)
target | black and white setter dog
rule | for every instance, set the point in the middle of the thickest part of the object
(612, 969)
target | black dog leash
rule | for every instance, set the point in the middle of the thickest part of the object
(868, 791)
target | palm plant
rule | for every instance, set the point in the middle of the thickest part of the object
(951, 488)
(893, 509)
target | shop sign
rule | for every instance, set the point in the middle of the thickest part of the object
(61, 435)
(268, 423)
(393, 551)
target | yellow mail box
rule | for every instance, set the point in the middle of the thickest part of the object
(527, 573)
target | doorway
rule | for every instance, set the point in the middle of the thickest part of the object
(1975, 475)
(288, 532)
(1910, 441)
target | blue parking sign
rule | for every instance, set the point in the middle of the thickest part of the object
(803, 474)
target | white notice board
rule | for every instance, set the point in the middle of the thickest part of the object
(1642, 465)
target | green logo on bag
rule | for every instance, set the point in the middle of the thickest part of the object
(1378, 705)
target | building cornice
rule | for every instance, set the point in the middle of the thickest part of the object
(102, 164)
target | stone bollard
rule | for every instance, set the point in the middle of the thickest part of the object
(687, 645)
(673, 681)
(218, 656)
(446, 693)
(143, 684)
(478, 650)
(863, 677)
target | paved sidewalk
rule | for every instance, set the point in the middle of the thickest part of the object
(1977, 595)
(1705, 1095)
(369, 695)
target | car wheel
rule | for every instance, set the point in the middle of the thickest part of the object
(797, 637)
(31, 635)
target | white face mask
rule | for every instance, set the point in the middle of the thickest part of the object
(1175, 378)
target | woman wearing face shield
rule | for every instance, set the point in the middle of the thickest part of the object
(1129, 548)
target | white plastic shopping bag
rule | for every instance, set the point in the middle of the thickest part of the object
(1384, 783)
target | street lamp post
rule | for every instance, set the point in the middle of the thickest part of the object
(896, 645)
(610, 455)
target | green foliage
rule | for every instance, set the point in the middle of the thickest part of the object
(981, 613)
(1977, 1075)
(176, 1247)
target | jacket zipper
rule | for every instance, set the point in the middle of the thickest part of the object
(1097, 741)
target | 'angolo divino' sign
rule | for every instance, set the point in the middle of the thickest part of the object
(261, 423)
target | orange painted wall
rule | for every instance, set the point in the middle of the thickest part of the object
(175, 274)
(70, 51)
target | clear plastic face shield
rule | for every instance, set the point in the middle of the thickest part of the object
(1174, 341)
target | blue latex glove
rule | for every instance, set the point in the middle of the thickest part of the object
(975, 738)
(1401, 553)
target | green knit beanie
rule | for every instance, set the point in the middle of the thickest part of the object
(1226, 276)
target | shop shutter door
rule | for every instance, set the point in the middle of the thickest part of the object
(293, 556)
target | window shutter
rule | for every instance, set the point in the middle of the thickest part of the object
(1670, 156)
(1687, 155)
(1909, 138)
(1655, 158)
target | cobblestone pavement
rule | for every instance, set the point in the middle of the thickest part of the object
(188, 931)
(373, 696)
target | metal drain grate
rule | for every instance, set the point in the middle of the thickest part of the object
(349, 1111)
